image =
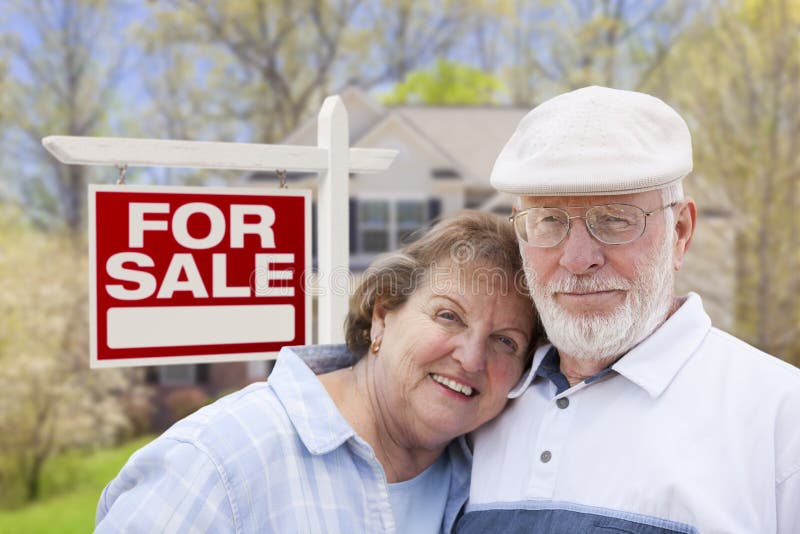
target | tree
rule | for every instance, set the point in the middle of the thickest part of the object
(543, 48)
(49, 400)
(391, 38)
(448, 83)
(743, 103)
(252, 70)
(66, 60)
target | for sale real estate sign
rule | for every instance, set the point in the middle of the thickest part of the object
(189, 275)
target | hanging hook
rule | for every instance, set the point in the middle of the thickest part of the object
(281, 174)
(123, 169)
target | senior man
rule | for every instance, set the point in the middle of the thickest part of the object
(641, 417)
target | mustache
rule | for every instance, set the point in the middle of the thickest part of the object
(587, 284)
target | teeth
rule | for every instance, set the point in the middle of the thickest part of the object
(452, 384)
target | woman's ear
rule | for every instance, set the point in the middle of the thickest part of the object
(378, 320)
(685, 220)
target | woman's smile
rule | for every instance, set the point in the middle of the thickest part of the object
(455, 386)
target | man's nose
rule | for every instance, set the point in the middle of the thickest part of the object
(581, 252)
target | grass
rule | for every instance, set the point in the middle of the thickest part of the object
(71, 486)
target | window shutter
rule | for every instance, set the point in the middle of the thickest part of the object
(353, 226)
(314, 231)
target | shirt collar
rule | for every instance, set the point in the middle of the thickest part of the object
(651, 365)
(322, 428)
(319, 424)
(527, 378)
(654, 363)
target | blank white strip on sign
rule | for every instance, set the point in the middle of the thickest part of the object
(181, 326)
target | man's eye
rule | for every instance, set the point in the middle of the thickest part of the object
(550, 219)
(610, 220)
(448, 315)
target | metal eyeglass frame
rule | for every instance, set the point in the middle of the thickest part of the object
(512, 219)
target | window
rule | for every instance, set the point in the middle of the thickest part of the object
(383, 225)
(373, 226)
(411, 215)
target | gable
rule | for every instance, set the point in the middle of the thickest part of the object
(362, 114)
(472, 136)
(418, 166)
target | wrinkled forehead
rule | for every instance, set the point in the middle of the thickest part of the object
(463, 276)
(647, 200)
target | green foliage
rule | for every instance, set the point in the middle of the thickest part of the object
(72, 483)
(447, 83)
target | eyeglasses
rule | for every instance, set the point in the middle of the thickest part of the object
(612, 224)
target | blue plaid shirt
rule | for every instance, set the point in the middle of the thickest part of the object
(276, 456)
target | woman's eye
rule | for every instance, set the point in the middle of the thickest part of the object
(508, 342)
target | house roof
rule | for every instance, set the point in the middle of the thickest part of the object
(469, 137)
(472, 136)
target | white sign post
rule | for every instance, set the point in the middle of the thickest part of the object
(332, 158)
(333, 220)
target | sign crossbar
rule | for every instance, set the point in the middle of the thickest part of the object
(75, 150)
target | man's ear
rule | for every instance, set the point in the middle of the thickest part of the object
(517, 205)
(685, 221)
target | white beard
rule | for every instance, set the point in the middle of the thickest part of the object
(594, 336)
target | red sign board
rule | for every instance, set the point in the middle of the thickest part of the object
(190, 275)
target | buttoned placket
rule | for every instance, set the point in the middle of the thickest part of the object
(554, 431)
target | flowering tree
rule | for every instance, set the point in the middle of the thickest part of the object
(49, 399)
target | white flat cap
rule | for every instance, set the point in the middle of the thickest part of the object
(595, 141)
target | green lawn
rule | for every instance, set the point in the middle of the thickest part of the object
(71, 484)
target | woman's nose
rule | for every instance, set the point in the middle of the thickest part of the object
(471, 354)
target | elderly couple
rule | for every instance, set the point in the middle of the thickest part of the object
(633, 415)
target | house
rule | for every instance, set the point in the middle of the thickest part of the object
(445, 158)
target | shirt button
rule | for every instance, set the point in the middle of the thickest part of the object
(562, 403)
(545, 456)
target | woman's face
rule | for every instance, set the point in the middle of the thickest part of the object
(450, 354)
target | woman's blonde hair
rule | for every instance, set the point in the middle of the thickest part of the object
(469, 239)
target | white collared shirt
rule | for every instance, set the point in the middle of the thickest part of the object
(691, 431)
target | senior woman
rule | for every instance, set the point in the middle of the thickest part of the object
(437, 336)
